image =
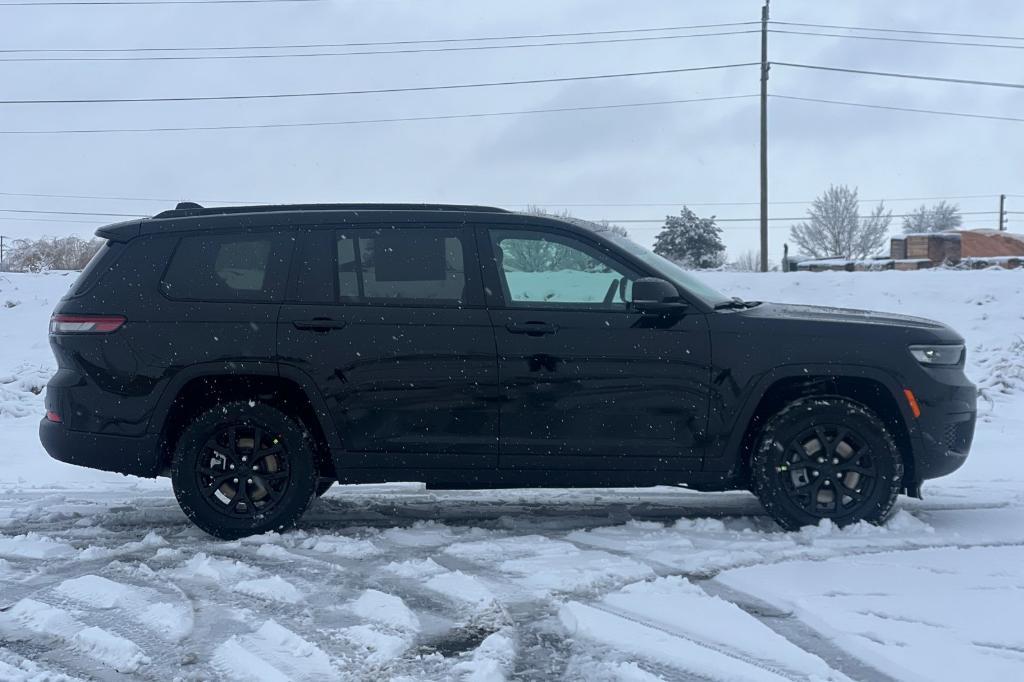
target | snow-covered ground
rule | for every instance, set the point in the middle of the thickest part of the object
(102, 577)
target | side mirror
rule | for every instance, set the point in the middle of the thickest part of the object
(652, 294)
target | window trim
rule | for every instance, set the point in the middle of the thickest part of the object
(496, 295)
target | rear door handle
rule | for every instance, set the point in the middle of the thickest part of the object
(534, 328)
(320, 324)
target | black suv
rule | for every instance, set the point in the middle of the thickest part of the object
(258, 354)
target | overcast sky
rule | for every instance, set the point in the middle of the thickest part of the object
(693, 153)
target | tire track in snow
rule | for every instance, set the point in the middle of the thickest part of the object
(798, 633)
(749, 668)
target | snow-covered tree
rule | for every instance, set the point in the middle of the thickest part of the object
(835, 229)
(939, 218)
(691, 241)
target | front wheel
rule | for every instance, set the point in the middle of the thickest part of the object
(826, 458)
(241, 469)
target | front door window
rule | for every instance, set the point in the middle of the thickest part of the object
(552, 270)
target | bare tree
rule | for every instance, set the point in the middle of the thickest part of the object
(50, 253)
(542, 255)
(748, 261)
(835, 229)
(615, 229)
(939, 218)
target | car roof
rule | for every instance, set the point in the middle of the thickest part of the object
(190, 217)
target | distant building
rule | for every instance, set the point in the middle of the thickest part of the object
(971, 249)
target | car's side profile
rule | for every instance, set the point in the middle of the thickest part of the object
(258, 354)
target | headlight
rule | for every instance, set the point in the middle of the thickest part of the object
(938, 355)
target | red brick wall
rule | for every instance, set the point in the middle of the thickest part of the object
(990, 243)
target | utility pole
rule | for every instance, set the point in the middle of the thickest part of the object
(1002, 212)
(764, 137)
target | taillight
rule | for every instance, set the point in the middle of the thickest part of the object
(85, 324)
(52, 416)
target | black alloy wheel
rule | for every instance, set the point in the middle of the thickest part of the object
(827, 470)
(243, 468)
(826, 458)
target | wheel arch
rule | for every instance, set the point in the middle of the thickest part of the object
(870, 388)
(200, 387)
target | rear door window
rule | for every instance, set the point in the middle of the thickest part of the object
(399, 266)
(229, 267)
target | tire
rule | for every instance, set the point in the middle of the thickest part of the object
(323, 486)
(229, 484)
(826, 458)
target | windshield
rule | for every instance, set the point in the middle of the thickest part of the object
(669, 270)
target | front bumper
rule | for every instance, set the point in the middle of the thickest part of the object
(945, 428)
(124, 454)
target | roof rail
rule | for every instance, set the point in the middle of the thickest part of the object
(188, 208)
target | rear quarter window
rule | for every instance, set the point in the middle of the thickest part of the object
(228, 267)
(101, 261)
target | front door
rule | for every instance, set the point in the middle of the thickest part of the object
(390, 324)
(586, 382)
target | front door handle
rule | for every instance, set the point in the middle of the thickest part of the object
(320, 324)
(533, 328)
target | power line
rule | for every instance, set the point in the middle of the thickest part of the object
(900, 30)
(729, 203)
(895, 108)
(95, 213)
(417, 88)
(66, 3)
(755, 220)
(402, 119)
(512, 203)
(612, 220)
(51, 220)
(417, 50)
(428, 41)
(110, 198)
(941, 79)
(918, 41)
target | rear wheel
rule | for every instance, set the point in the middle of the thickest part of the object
(826, 458)
(242, 469)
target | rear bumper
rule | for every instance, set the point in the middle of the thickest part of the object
(124, 454)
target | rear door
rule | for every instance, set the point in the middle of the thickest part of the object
(390, 324)
(587, 383)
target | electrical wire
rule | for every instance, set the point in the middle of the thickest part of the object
(402, 119)
(95, 213)
(416, 88)
(896, 108)
(20, 219)
(417, 50)
(754, 220)
(731, 203)
(941, 79)
(517, 204)
(428, 41)
(611, 220)
(110, 198)
(899, 30)
(918, 41)
(71, 3)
